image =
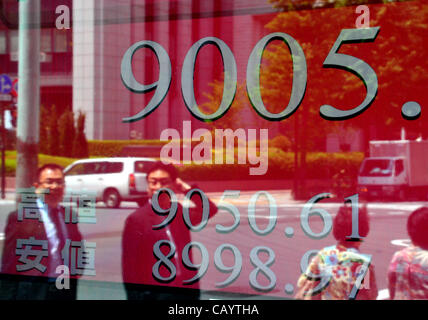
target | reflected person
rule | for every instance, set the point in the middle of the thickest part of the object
(35, 236)
(334, 271)
(408, 270)
(144, 275)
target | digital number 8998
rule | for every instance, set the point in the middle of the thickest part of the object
(235, 270)
(259, 266)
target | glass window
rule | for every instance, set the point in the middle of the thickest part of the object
(141, 166)
(96, 167)
(76, 170)
(45, 40)
(60, 40)
(13, 41)
(2, 42)
(114, 167)
(376, 168)
(399, 167)
(285, 96)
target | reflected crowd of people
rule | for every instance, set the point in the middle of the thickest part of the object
(39, 241)
(341, 272)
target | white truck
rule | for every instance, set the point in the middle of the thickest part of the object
(395, 170)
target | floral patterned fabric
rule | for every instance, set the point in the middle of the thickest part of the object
(408, 274)
(333, 273)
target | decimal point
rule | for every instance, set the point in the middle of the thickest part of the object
(411, 110)
(289, 288)
(289, 232)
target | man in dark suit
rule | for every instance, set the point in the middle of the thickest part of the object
(37, 241)
(147, 237)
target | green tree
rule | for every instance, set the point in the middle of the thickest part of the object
(234, 117)
(66, 133)
(80, 144)
(48, 132)
(44, 130)
(395, 55)
(53, 146)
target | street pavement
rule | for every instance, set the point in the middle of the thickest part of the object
(387, 235)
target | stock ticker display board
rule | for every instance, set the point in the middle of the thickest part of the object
(213, 149)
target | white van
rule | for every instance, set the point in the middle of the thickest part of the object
(112, 179)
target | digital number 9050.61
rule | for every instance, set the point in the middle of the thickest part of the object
(307, 211)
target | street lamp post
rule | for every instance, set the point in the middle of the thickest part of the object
(3, 149)
(7, 102)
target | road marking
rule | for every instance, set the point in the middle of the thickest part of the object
(397, 213)
(401, 242)
(408, 207)
(2, 236)
(7, 201)
(383, 294)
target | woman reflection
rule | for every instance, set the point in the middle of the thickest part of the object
(408, 271)
(337, 272)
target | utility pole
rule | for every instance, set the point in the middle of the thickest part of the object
(27, 135)
(3, 158)
(3, 150)
(296, 179)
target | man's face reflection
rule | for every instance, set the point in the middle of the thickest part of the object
(53, 180)
(159, 179)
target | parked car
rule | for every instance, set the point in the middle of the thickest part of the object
(112, 179)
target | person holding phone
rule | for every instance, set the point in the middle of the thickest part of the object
(152, 242)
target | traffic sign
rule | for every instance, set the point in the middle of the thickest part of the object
(5, 83)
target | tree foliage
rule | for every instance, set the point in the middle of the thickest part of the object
(397, 56)
(234, 117)
(66, 133)
(61, 134)
(48, 131)
(80, 144)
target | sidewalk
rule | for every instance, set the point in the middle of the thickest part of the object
(243, 199)
(280, 196)
(280, 190)
(10, 196)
